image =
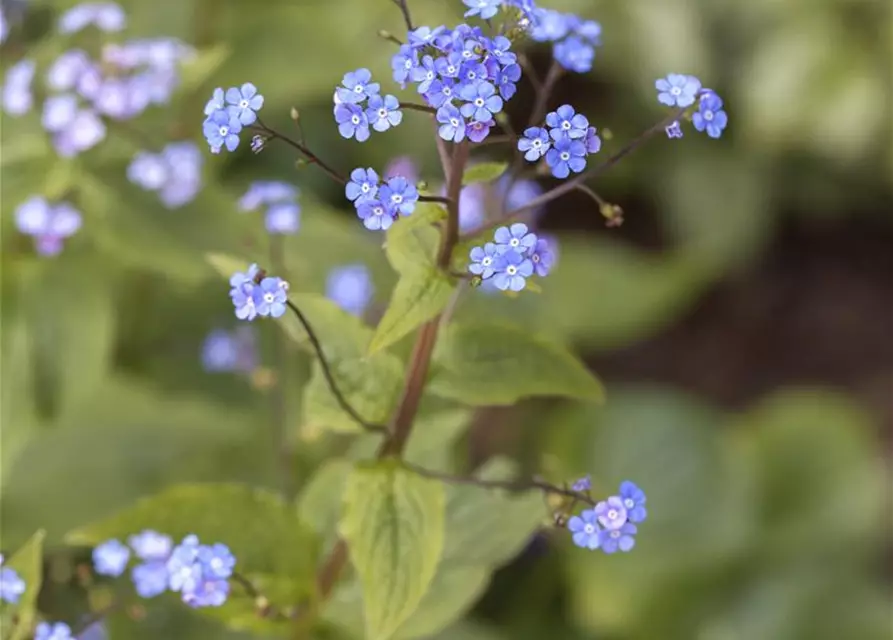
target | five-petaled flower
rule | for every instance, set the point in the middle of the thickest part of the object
(710, 116)
(585, 530)
(677, 90)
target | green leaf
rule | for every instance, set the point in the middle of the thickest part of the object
(394, 525)
(28, 563)
(371, 385)
(489, 364)
(264, 533)
(412, 241)
(417, 298)
(319, 505)
(489, 527)
(484, 172)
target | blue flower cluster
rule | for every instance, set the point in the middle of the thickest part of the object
(566, 141)
(283, 214)
(253, 295)
(515, 255)
(49, 224)
(11, 584)
(198, 572)
(377, 204)
(574, 39)
(350, 287)
(462, 73)
(611, 525)
(230, 351)
(682, 90)
(175, 173)
(358, 105)
(227, 112)
(81, 91)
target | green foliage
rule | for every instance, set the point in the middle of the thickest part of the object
(269, 542)
(490, 364)
(423, 290)
(484, 172)
(393, 523)
(28, 564)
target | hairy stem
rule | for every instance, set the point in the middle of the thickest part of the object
(535, 484)
(327, 372)
(570, 185)
(311, 157)
(454, 188)
(281, 450)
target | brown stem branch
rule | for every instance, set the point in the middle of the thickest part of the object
(454, 188)
(311, 157)
(404, 9)
(414, 106)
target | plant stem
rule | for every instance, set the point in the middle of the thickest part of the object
(454, 188)
(311, 157)
(282, 451)
(327, 372)
(404, 9)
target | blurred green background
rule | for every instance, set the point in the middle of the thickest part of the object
(740, 318)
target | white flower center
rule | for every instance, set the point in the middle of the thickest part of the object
(566, 125)
(535, 257)
(379, 211)
(396, 198)
(429, 75)
(472, 75)
(269, 298)
(243, 104)
(447, 91)
(479, 102)
(408, 64)
(676, 91)
(708, 116)
(355, 119)
(589, 528)
(487, 261)
(223, 130)
(628, 503)
(615, 533)
(511, 269)
(454, 122)
(612, 514)
(358, 89)
(514, 242)
(451, 69)
(565, 156)
(382, 113)
(537, 143)
(365, 188)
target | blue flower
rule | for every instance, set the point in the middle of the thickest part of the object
(592, 141)
(208, 593)
(424, 36)
(363, 185)
(350, 287)
(499, 47)
(507, 80)
(384, 113)
(440, 92)
(352, 122)
(622, 538)
(400, 195)
(225, 351)
(543, 257)
(375, 215)
(477, 131)
(261, 192)
(611, 513)
(677, 90)
(585, 529)
(110, 558)
(482, 259)
(482, 101)
(583, 484)
(633, 501)
(242, 293)
(565, 156)
(216, 103)
(184, 572)
(357, 86)
(512, 269)
(425, 74)
(49, 225)
(150, 545)
(150, 579)
(217, 561)
(11, 584)
(270, 297)
(486, 9)
(283, 217)
(574, 54)
(50, 631)
(222, 129)
(17, 96)
(452, 124)
(534, 143)
(564, 122)
(244, 102)
(674, 130)
(710, 115)
(515, 238)
(449, 66)
(403, 63)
